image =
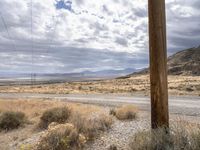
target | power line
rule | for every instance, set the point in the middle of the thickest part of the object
(32, 52)
(53, 36)
(7, 31)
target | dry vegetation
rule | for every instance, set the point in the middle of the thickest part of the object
(75, 134)
(61, 137)
(178, 85)
(35, 108)
(58, 115)
(12, 120)
(126, 112)
(69, 125)
(183, 136)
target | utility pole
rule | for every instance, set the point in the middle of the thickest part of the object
(158, 64)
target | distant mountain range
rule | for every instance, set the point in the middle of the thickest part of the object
(110, 73)
(185, 62)
(85, 75)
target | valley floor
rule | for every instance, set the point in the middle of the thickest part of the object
(33, 100)
(139, 84)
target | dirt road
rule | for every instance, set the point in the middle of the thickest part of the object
(189, 106)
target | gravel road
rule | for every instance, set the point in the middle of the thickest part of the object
(189, 106)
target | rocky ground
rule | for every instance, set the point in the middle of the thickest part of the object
(118, 136)
(122, 132)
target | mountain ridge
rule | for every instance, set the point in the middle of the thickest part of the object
(185, 62)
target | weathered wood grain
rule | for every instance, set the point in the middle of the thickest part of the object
(158, 64)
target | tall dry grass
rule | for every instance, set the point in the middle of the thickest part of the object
(125, 112)
(181, 136)
(34, 108)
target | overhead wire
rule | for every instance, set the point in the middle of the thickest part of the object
(33, 75)
(52, 37)
(8, 33)
(12, 42)
(32, 52)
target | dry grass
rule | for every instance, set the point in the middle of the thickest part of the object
(126, 112)
(182, 135)
(178, 85)
(91, 127)
(34, 110)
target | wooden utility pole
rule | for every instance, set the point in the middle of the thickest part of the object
(158, 64)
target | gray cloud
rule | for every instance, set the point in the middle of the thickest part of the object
(122, 41)
(108, 34)
(69, 59)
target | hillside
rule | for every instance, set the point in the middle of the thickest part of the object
(185, 62)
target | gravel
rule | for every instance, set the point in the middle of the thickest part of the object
(119, 135)
(27, 142)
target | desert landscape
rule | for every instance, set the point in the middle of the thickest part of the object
(90, 127)
(183, 79)
(137, 84)
(99, 75)
(109, 114)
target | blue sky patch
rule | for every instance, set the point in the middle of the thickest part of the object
(62, 4)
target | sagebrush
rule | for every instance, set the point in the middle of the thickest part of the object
(59, 115)
(11, 120)
(91, 127)
(61, 137)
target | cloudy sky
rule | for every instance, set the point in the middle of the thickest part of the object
(64, 36)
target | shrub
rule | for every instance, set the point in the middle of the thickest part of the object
(112, 112)
(59, 115)
(11, 120)
(75, 133)
(104, 122)
(154, 140)
(61, 137)
(112, 147)
(180, 137)
(91, 127)
(126, 112)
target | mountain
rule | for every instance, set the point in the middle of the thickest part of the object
(28, 78)
(185, 62)
(110, 73)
